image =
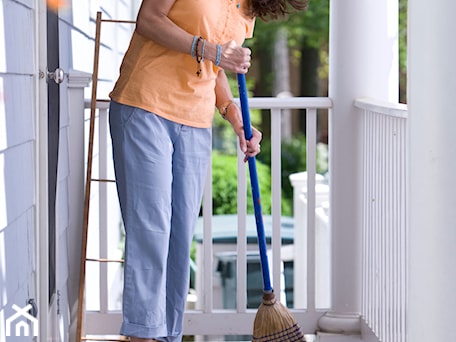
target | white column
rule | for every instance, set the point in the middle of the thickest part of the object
(363, 62)
(299, 183)
(77, 81)
(432, 193)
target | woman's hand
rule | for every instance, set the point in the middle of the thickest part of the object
(250, 147)
(235, 58)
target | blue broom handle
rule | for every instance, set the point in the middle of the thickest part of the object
(255, 186)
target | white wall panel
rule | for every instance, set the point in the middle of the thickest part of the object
(18, 24)
(19, 111)
(19, 180)
(17, 156)
(19, 249)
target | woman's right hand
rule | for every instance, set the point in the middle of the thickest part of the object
(235, 58)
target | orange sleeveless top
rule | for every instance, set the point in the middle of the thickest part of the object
(164, 81)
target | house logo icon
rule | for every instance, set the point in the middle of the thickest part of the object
(19, 322)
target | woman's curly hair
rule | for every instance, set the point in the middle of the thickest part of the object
(273, 9)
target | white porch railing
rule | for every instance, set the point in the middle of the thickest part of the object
(240, 320)
(384, 255)
(384, 251)
(103, 314)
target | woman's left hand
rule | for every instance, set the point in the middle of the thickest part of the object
(250, 147)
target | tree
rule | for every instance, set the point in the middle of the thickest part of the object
(308, 35)
(403, 51)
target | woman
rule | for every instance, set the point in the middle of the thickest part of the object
(161, 114)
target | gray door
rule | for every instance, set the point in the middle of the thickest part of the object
(53, 136)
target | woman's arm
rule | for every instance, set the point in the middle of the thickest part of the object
(153, 22)
(232, 113)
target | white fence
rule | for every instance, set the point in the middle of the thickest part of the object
(384, 251)
(103, 314)
(384, 255)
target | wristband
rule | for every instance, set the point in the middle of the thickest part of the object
(218, 57)
(193, 54)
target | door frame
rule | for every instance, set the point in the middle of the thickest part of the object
(41, 167)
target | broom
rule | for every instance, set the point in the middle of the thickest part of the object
(273, 321)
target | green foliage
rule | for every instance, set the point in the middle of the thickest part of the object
(311, 25)
(224, 185)
(403, 51)
(306, 31)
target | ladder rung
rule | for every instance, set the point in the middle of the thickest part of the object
(104, 260)
(105, 338)
(101, 180)
(118, 21)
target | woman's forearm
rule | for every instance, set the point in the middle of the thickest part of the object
(153, 23)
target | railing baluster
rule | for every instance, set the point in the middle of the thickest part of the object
(207, 244)
(276, 172)
(241, 298)
(311, 157)
(103, 209)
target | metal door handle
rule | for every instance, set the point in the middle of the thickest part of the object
(57, 75)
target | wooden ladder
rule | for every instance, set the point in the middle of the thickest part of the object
(89, 179)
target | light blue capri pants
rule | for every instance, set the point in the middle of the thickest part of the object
(160, 169)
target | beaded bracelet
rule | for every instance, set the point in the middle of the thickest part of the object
(195, 38)
(198, 57)
(202, 50)
(219, 55)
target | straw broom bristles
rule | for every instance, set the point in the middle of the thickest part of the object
(274, 322)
